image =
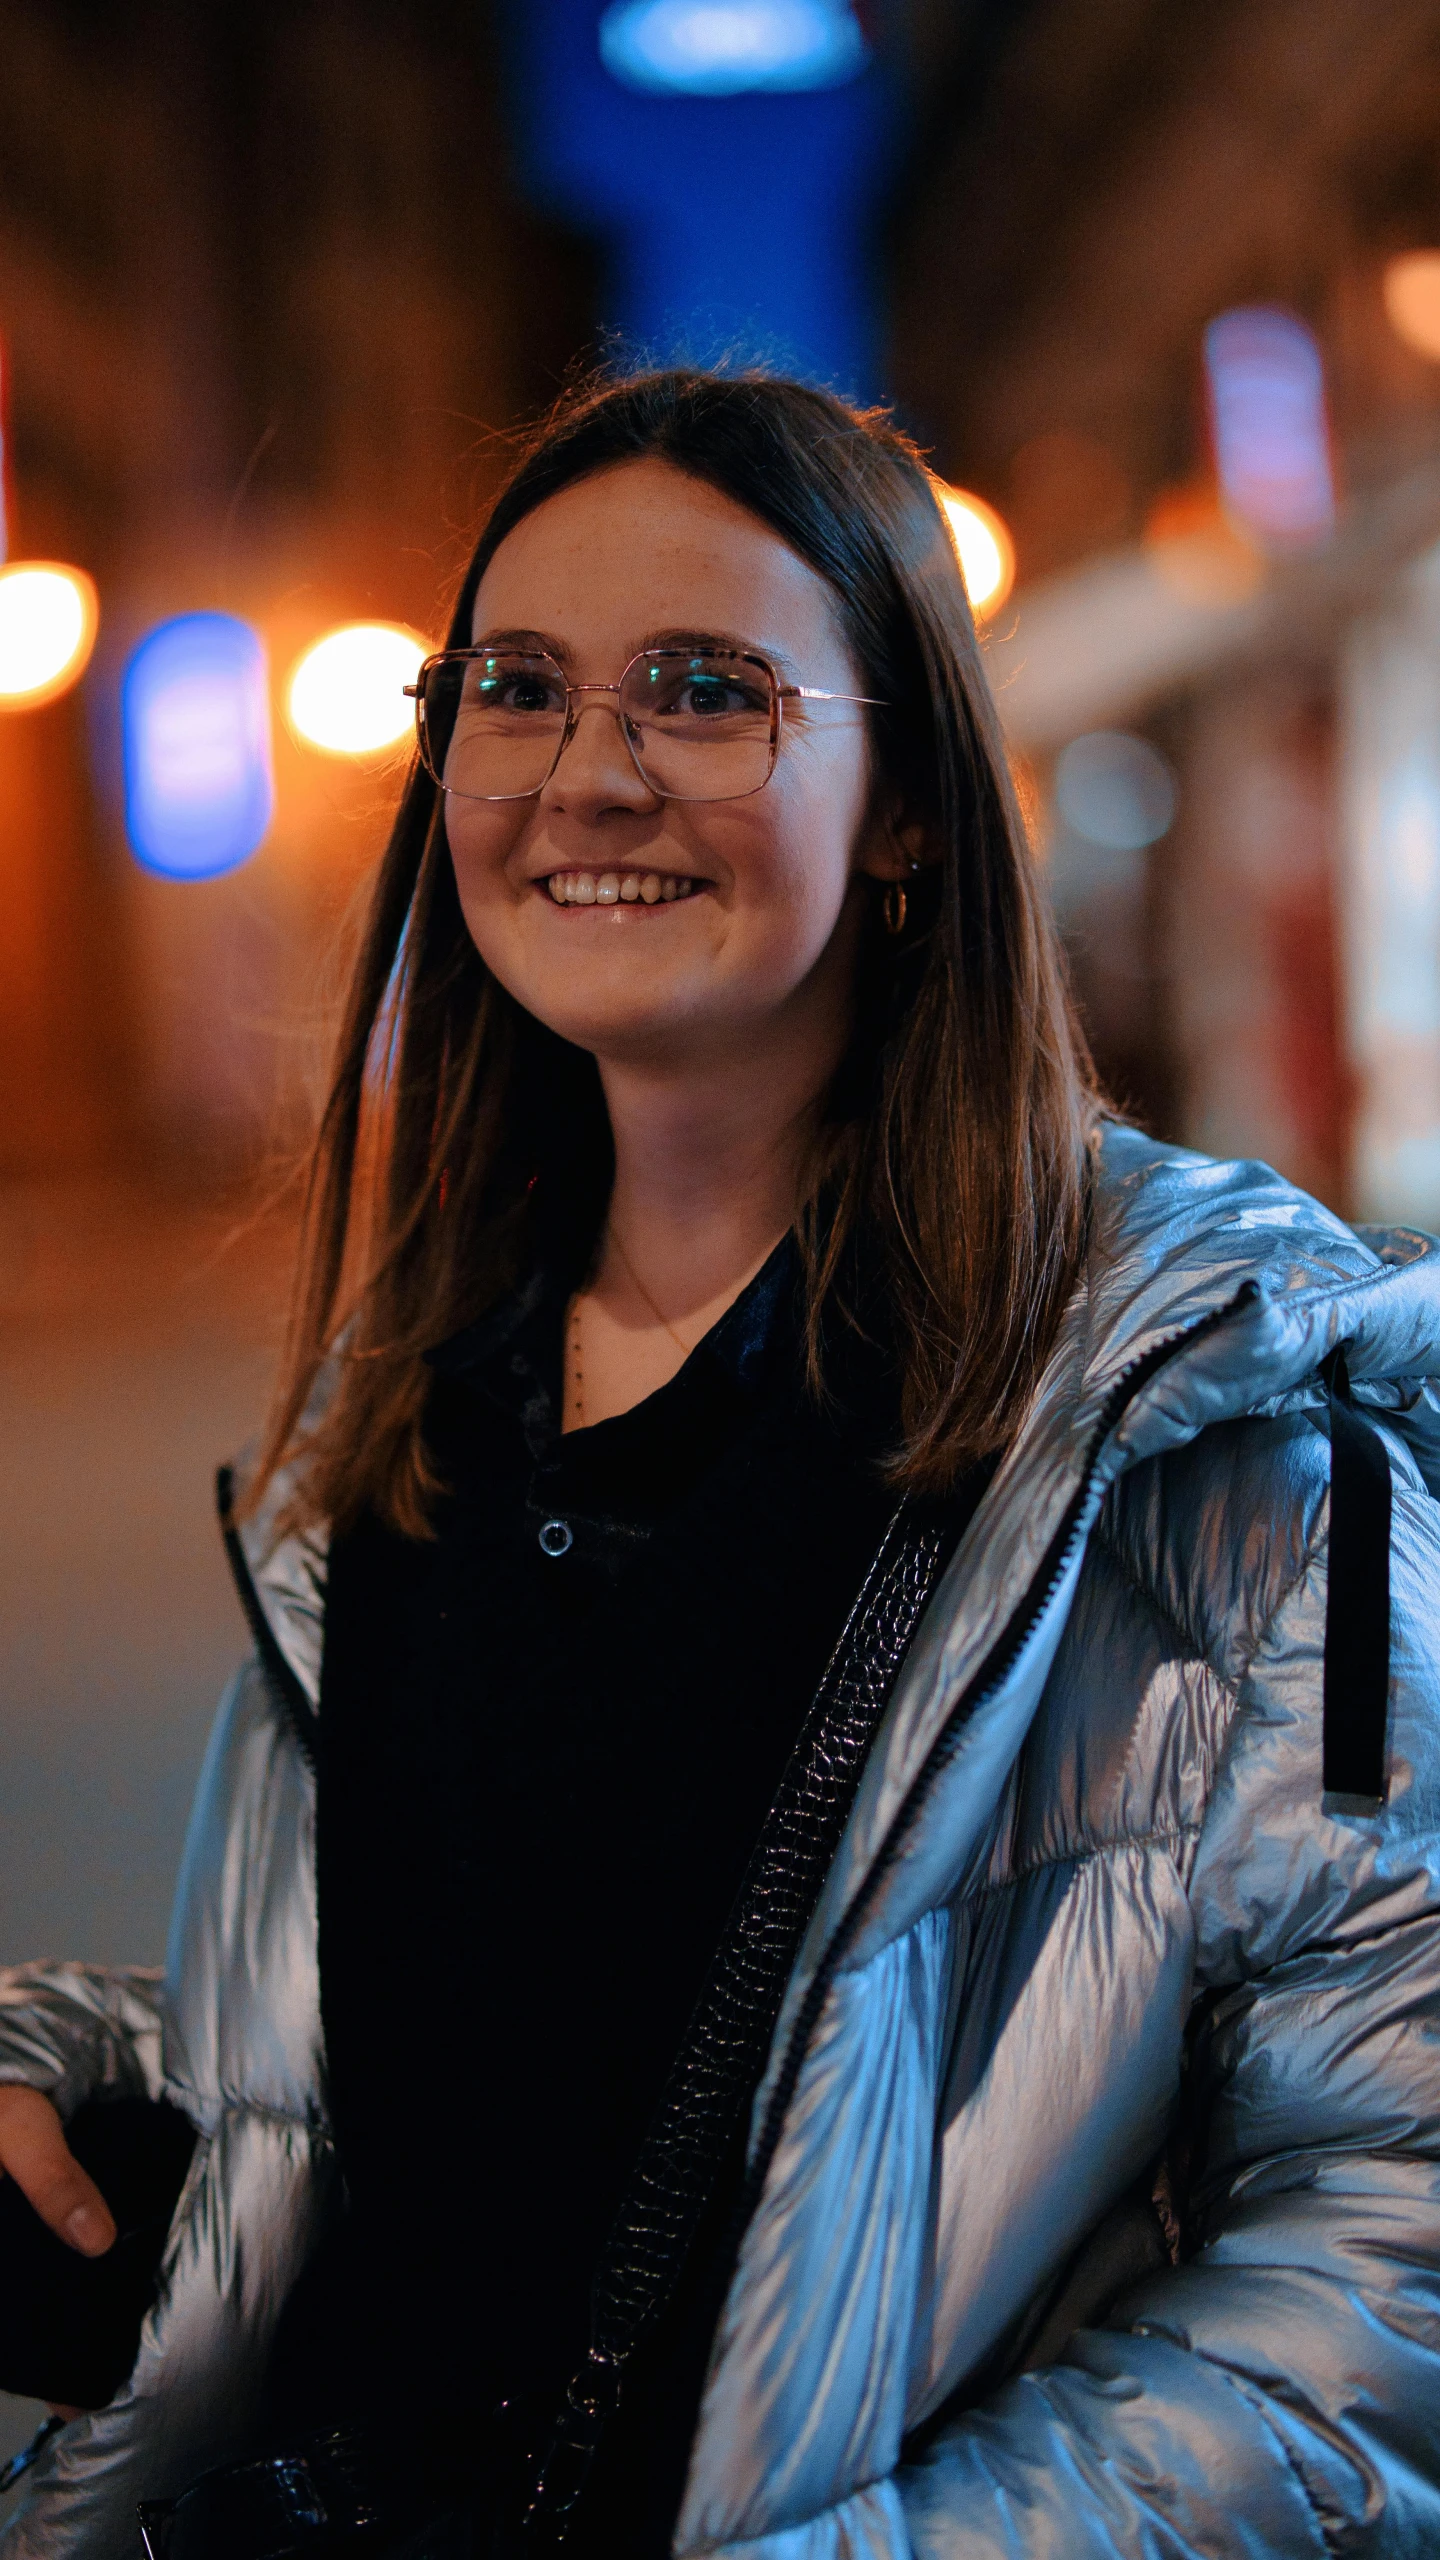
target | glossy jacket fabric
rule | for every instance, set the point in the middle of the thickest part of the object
(1089, 1904)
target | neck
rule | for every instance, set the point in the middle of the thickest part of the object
(707, 1172)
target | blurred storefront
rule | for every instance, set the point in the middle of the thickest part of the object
(1228, 565)
(268, 303)
(276, 283)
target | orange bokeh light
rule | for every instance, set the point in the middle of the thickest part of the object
(1411, 287)
(49, 615)
(345, 694)
(982, 545)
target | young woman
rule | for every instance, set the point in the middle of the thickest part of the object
(816, 1927)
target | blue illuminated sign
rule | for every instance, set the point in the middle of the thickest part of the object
(720, 48)
(1267, 409)
(195, 714)
(733, 168)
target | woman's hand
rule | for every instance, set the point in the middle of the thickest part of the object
(35, 2153)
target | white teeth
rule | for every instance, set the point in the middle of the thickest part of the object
(614, 888)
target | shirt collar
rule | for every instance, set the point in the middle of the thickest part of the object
(760, 1323)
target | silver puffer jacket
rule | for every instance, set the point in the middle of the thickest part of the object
(1101, 1897)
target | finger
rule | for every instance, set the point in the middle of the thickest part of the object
(37, 2156)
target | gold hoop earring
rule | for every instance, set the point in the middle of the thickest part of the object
(892, 908)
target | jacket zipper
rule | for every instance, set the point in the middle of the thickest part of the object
(304, 1723)
(990, 1676)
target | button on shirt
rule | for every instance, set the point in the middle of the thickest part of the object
(550, 1736)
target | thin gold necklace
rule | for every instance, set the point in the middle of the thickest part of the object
(577, 1367)
(576, 1336)
(664, 1321)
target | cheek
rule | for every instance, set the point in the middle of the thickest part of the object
(480, 839)
(812, 826)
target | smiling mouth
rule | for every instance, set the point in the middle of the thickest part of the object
(618, 888)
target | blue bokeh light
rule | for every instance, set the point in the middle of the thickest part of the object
(195, 721)
(1115, 790)
(721, 48)
(1267, 409)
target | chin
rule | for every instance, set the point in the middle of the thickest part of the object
(638, 1034)
(616, 1009)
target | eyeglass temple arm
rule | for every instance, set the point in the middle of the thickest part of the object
(813, 693)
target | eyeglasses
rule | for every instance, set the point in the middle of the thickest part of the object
(700, 724)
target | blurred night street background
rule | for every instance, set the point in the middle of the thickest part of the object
(1158, 291)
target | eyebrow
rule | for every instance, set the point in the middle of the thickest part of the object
(526, 640)
(690, 639)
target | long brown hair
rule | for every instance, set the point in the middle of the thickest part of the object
(460, 1135)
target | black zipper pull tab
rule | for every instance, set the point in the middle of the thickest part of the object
(1357, 1606)
(591, 2398)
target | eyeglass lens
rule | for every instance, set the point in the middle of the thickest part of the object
(700, 726)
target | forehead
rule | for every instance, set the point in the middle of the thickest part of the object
(642, 548)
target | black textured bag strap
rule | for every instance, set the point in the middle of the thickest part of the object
(726, 2043)
(1357, 1606)
(729, 2033)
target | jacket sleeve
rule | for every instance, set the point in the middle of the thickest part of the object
(79, 2031)
(1277, 2393)
(243, 2057)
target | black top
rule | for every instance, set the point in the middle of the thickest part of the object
(549, 1738)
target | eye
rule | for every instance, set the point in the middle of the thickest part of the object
(699, 691)
(525, 693)
(710, 697)
(520, 689)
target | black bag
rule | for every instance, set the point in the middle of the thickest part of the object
(70, 2326)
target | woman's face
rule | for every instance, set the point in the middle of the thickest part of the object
(763, 930)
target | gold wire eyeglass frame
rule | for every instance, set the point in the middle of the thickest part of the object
(779, 695)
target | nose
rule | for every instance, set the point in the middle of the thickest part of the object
(596, 769)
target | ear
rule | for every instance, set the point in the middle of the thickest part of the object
(892, 845)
